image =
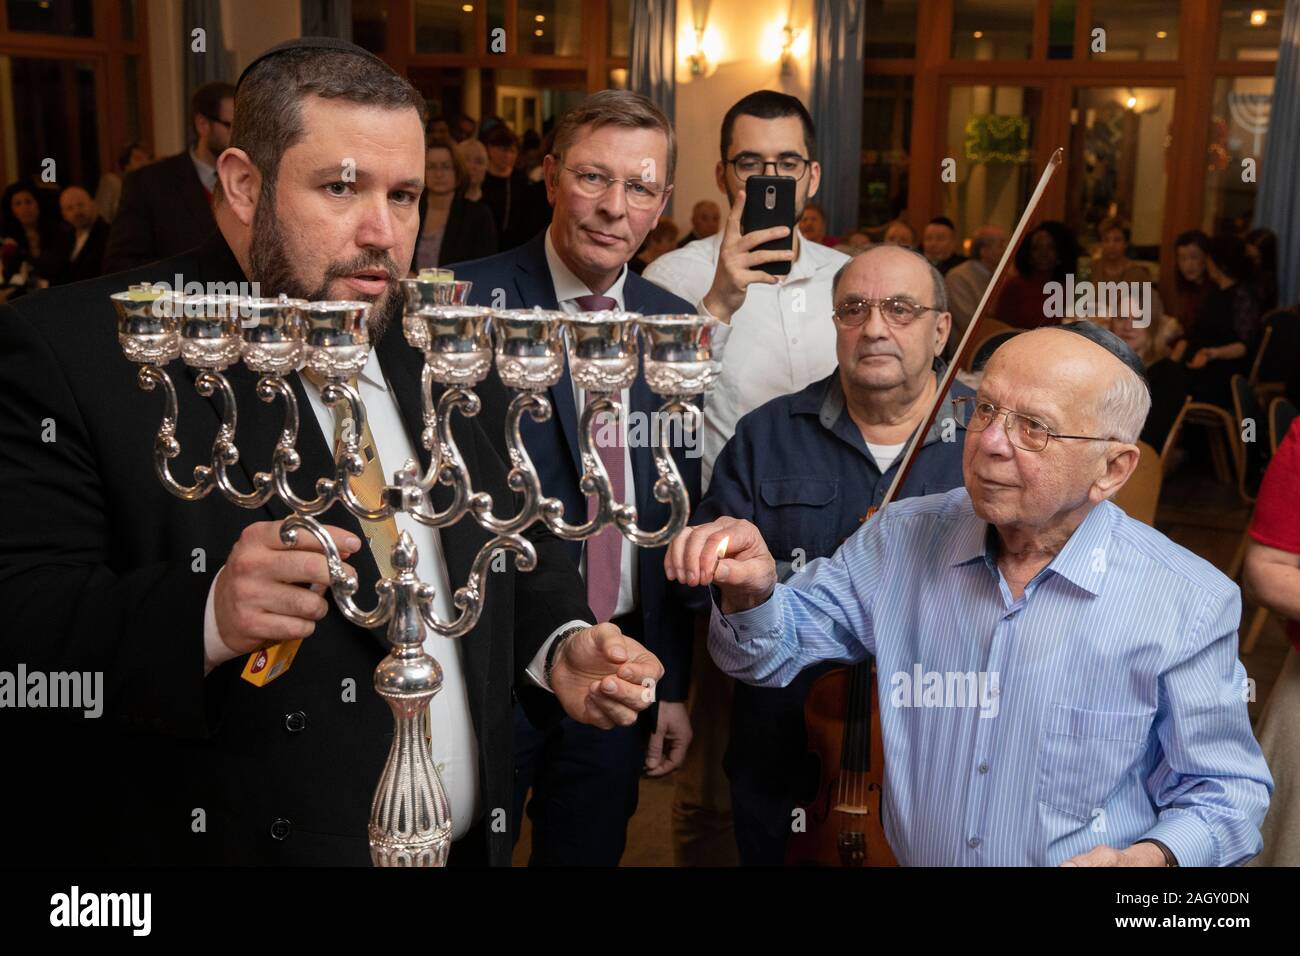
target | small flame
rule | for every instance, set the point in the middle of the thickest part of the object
(722, 547)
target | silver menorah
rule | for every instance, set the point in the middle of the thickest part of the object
(410, 817)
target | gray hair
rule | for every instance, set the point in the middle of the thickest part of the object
(1125, 406)
(936, 277)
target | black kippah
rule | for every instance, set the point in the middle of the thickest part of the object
(1112, 343)
(310, 43)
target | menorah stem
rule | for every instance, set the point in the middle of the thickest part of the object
(165, 446)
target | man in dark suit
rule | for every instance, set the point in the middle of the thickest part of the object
(102, 571)
(166, 207)
(82, 254)
(608, 180)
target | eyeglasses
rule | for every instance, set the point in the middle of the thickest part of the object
(218, 120)
(750, 164)
(640, 194)
(1022, 431)
(897, 311)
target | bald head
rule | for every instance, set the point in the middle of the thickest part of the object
(78, 208)
(899, 261)
(1086, 369)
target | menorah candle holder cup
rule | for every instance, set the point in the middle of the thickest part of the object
(529, 348)
(678, 354)
(432, 287)
(148, 324)
(272, 333)
(336, 338)
(458, 343)
(602, 349)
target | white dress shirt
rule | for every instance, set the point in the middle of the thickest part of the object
(782, 339)
(568, 288)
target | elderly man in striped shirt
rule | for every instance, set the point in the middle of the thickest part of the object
(1106, 723)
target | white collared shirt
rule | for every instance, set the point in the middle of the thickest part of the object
(568, 288)
(781, 339)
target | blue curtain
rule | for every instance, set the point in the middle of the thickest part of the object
(215, 63)
(327, 18)
(837, 108)
(1277, 204)
(652, 37)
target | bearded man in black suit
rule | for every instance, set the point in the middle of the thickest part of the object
(104, 572)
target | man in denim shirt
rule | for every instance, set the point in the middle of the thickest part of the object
(807, 468)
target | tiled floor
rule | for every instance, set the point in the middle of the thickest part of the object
(1199, 513)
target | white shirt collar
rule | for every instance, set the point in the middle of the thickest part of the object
(372, 374)
(568, 286)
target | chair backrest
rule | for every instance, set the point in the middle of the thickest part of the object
(1281, 413)
(1259, 354)
(1141, 493)
(988, 328)
(1279, 353)
(1172, 438)
(1244, 401)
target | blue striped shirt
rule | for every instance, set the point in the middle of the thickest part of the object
(1106, 705)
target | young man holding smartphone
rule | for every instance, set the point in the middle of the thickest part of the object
(777, 336)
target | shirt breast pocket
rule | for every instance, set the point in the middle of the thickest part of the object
(1085, 755)
(795, 516)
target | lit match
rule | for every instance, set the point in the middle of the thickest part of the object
(722, 547)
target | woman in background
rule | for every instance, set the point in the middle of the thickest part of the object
(29, 239)
(1261, 247)
(452, 229)
(1112, 262)
(1046, 255)
(1226, 331)
(1191, 283)
(1272, 576)
(473, 156)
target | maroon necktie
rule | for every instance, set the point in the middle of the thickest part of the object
(604, 549)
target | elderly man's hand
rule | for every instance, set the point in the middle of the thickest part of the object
(738, 263)
(729, 551)
(604, 678)
(1139, 854)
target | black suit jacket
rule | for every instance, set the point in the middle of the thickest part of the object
(164, 211)
(469, 233)
(101, 569)
(524, 278)
(89, 263)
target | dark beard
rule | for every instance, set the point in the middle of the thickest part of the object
(273, 270)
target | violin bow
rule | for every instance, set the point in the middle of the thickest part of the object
(941, 392)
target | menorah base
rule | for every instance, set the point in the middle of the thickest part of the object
(432, 850)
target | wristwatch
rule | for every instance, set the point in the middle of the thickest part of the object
(553, 651)
(1170, 859)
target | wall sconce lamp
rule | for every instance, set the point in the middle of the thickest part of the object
(697, 58)
(791, 36)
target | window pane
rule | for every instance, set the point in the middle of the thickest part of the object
(1238, 127)
(53, 103)
(133, 131)
(531, 100)
(891, 33)
(886, 133)
(992, 29)
(444, 26)
(551, 27)
(1060, 30)
(72, 18)
(993, 135)
(1250, 29)
(370, 24)
(1136, 29)
(1118, 163)
(619, 16)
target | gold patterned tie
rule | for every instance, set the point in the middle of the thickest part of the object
(368, 486)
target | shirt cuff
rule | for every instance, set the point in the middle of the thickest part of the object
(215, 650)
(764, 620)
(536, 669)
(1187, 836)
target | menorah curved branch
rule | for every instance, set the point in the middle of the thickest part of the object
(225, 453)
(468, 599)
(165, 446)
(523, 473)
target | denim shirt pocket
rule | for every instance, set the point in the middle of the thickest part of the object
(1085, 755)
(796, 514)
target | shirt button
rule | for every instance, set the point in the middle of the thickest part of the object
(984, 768)
(794, 341)
(280, 829)
(974, 843)
(295, 722)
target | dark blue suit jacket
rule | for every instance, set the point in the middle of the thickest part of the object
(521, 279)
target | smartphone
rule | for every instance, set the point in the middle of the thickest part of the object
(769, 201)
